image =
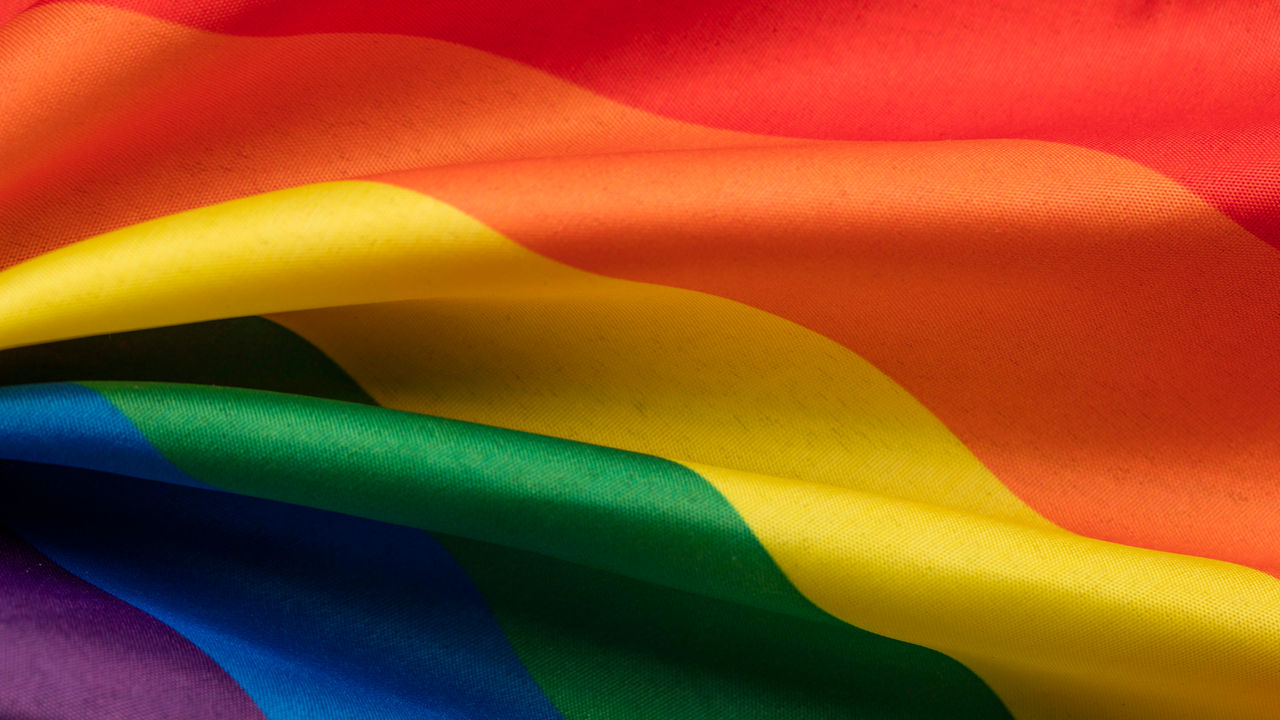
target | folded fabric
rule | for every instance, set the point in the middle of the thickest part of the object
(581, 360)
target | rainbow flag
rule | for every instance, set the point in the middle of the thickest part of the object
(592, 360)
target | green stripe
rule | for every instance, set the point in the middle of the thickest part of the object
(598, 643)
(668, 605)
(594, 639)
(635, 514)
(246, 352)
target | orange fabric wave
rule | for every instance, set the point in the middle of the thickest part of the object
(183, 118)
(1120, 381)
(1000, 355)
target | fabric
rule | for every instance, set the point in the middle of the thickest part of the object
(580, 360)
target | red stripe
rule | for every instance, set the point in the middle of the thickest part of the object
(1187, 88)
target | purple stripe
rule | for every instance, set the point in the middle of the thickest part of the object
(69, 650)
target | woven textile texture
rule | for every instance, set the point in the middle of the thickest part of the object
(602, 359)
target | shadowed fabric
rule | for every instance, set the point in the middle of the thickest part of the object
(74, 651)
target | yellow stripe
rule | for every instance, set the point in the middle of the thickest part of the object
(663, 371)
(509, 337)
(884, 518)
(1058, 625)
(315, 246)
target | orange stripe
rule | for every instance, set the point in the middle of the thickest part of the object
(999, 338)
(1056, 623)
(1102, 339)
(121, 118)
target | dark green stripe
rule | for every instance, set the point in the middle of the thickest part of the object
(668, 606)
(603, 645)
(241, 352)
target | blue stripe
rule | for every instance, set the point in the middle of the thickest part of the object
(316, 614)
(68, 424)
